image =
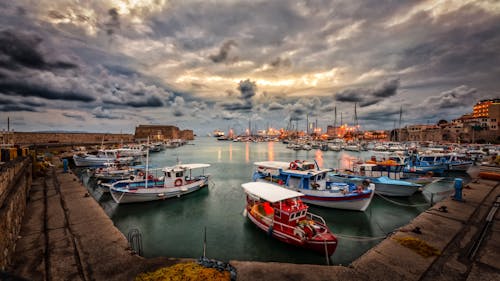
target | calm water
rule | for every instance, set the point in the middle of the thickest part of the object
(174, 227)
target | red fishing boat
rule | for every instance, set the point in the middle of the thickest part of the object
(280, 212)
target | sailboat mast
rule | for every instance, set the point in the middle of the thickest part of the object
(147, 164)
(400, 115)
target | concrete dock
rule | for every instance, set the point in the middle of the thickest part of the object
(66, 235)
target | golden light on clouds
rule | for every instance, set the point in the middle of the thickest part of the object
(222, 83)
(437, 8)
(92, 15)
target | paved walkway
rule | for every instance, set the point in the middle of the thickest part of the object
(67, 236)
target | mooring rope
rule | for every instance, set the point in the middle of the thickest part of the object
(402, 204)
(360, 238)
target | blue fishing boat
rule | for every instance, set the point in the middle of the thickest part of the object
(307, 178)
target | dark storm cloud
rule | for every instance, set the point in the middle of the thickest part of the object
(120, 70)
(236, 105)
(302, 107)
(369, 96)
(27, 89)
(244, 102)
(21, 49)
(223, 52)
(275, 106)
(349, 95)
(152, 101)
(102, 113)
(114, 21)
(74, 116)
(9, 105)
(381, 115)
(17, 107)
(247, 89)
(461, 96)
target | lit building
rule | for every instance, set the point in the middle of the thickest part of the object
(486, 108)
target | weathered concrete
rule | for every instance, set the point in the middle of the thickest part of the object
(15, 183)
(452, 233)
(74, 239)
(67, 236)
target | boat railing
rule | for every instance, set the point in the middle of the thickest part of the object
(271, 221)
(315, 218)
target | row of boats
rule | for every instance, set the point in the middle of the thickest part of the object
(277, 199)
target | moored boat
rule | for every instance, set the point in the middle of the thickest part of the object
(384, 185)
(281, 213)
(318, 189)
(174, 182)
(103, 157)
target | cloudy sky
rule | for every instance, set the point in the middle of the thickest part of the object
(110, 65)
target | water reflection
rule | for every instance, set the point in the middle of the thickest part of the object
(174, 227)
(270, 151)
(247, 152)
(318, 156)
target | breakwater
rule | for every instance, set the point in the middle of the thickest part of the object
(15, 184)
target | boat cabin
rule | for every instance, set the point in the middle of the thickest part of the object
(273, 203)
(296, 174)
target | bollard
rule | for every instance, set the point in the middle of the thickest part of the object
(458, 189)
(65, 165)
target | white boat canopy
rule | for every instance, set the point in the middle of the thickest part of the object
(186, 167)
(269, 192)
(273, 164)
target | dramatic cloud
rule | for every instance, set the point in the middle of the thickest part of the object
(102, 113)
(369, 96)
(223, 52)
(461, 96)
(74, 116)
(20, 50)
(173, 61)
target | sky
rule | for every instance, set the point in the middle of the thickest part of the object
(110, 65)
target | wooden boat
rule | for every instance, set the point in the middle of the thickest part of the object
(174, 182)
(307, 178)
(281, 213)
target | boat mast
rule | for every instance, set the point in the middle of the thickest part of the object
(147, 163)
(400, 115)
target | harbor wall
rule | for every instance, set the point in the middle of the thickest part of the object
(15, 183)
(28, 138)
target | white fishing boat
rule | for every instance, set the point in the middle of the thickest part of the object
(160, 184)
(309, 179)
(83, 159)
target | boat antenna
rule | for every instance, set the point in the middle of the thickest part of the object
(317, 166)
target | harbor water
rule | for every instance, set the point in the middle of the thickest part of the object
(175, 227)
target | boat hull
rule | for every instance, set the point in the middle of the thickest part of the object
(318, 245)
(335, 199)
(359, 202)
(124, 195)
(395, 190)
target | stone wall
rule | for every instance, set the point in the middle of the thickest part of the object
(22, 138)
(162, 132)
(15, 183)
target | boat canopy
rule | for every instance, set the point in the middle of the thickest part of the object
(273, 164)
(269, 192)
(185, 167)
